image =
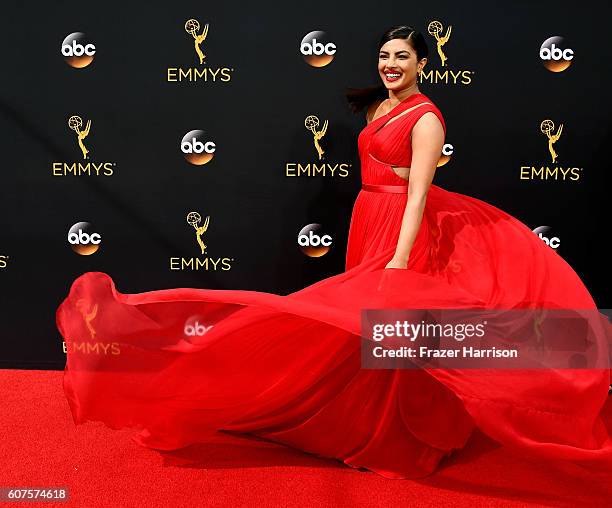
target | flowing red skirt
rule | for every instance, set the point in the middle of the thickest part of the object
(287, 368)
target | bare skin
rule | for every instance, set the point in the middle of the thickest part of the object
(397, 56)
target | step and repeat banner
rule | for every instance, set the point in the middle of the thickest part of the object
(195, 144)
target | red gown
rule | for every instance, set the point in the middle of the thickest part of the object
(287, 368)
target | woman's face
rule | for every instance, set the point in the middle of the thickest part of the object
(397, 64)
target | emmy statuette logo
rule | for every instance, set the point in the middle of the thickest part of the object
(317, 49)
(435, 28)
(552, 171)
(203, 72)
(75, 123)
(82, 148)
(320, 166)
(445, 75)
(311, 123)
(203, 262)
(547, 126)
(89, 313)
(194, 219)
(556, 55)
(77, 51)
(313, 241)
(192, 26)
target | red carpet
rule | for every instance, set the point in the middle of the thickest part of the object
(42, 447)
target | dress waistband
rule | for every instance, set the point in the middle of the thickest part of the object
(396, 189)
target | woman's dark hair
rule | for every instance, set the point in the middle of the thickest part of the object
(361, 98)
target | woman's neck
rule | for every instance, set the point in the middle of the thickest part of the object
(401, 95)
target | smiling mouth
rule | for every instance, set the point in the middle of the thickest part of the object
(392, 76)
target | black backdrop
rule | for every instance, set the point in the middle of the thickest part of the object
(257, 122)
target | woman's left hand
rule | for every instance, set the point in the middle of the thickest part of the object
(386, 275)
(397, 263)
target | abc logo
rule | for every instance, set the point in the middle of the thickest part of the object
(83, 240)
(544, 233)
(317, 49)
(312, 242)
(196, 148)
(77, 52)
(447, 151)
(196, 326)
(555, 54)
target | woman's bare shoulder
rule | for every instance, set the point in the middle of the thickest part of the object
(428, 129)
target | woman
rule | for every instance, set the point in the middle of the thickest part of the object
(287, 368)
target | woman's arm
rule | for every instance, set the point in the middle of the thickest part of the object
(427, 143)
